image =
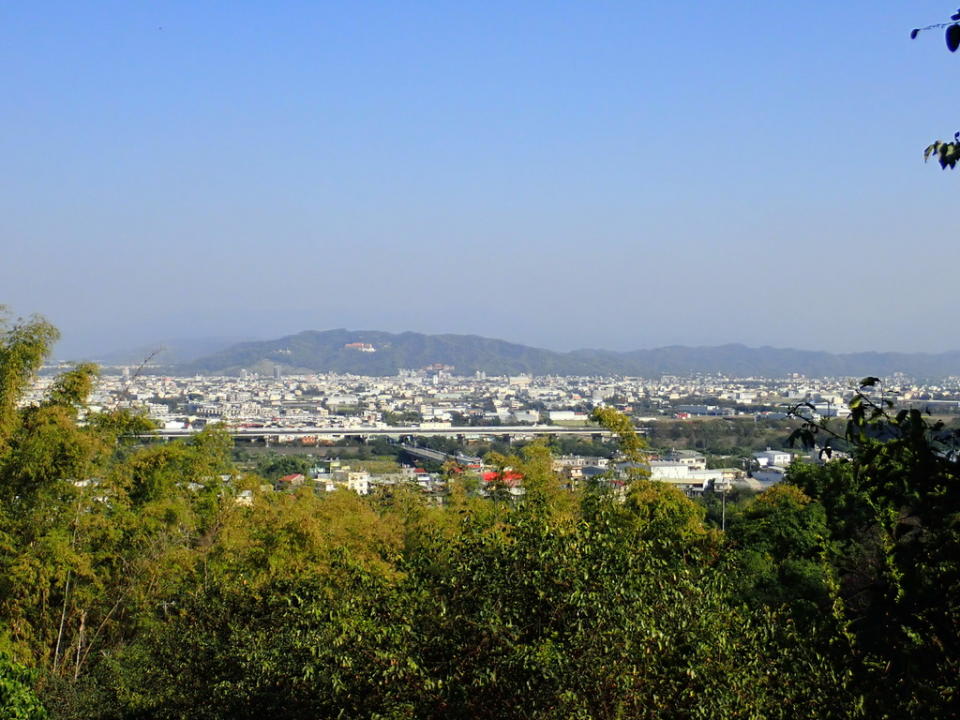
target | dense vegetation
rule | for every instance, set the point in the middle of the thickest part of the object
(133, 584)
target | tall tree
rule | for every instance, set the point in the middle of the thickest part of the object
(892, 511)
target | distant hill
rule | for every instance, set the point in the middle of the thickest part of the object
(742, 361)
(329, 351)
(342, 351)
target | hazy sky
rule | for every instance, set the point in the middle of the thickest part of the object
(592, 174)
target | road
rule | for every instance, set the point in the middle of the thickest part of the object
(394, 432)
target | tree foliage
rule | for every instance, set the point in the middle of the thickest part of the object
(133, 584)
(18, 701)
(511, 611)
(892, 514)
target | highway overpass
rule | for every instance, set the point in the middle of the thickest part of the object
(439, 457)
(335, 433)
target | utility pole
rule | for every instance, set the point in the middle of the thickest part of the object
(723, 511)
(723, 488)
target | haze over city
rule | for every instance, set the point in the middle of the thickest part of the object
(622, 175)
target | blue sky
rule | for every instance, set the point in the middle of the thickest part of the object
(593, 174)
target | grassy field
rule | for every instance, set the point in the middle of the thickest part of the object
(377, 465)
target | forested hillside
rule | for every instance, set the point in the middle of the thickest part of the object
(331, 351)
(134, 583)
(338, 351)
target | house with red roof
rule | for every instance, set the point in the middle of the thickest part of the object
(509, 479)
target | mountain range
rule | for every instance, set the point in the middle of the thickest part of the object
(368, 352)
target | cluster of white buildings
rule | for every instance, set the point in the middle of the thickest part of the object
(437, 398)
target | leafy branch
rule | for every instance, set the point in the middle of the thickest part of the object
(947, 153)
(863, 412)
(873, 424)
(952, 31)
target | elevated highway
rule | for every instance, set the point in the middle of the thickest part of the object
(439, 457)
(334, 433)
